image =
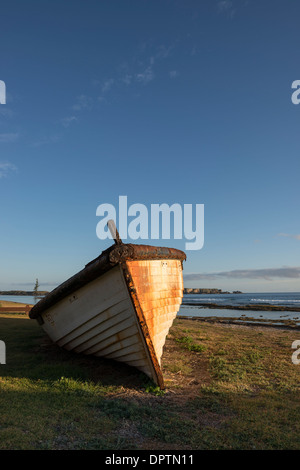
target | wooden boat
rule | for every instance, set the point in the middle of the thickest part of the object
(120, 306)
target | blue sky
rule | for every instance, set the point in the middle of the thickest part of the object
(183, 102)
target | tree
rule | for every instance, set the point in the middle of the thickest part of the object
(35, 290)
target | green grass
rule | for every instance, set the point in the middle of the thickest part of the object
(228, 387)
(188, 343)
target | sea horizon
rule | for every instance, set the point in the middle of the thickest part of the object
(279, 299)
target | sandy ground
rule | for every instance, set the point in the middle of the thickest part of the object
(6, 303)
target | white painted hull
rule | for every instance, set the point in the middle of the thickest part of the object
(99, 319)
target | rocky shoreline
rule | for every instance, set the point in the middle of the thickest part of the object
(190, 290)
(256, 307)
(247, 321)
(23, 292)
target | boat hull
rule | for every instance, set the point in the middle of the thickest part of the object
(123, 314)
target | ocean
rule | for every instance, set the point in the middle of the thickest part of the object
(23, 299)
(282, 299)
(286, 299)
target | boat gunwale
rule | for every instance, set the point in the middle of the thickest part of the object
(113, 256)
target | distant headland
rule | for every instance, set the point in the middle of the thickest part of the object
(188, 290)
(23, 292)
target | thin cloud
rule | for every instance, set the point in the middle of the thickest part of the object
(163, 52)
(173, 74)
(140, 70)
(53, 139)
(194, 51)
(127, 79)
(82, 102)
(267, 274)
(226, 6)
(66, 122)
(146, 76)
(107, 85)
(289, 235)
(8, 138)
(6, 168)
(6, 112)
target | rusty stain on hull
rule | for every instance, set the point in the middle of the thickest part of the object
(156, 314)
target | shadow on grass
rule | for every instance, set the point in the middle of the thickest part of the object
(53, 399)
(31, 354)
